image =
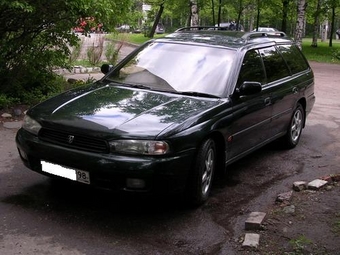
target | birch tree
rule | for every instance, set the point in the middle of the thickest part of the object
(316, 24)
(299, 28)
(194, 13)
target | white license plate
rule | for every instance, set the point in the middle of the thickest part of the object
(69, 173)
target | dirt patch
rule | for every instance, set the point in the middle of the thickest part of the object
(308, 224)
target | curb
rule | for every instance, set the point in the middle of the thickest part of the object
(12, 124)
(77, 70)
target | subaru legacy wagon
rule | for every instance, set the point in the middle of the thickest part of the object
(174, 113)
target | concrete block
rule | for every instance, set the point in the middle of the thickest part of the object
(251, 240)
(284, 196)
(316, 184)
(299, 185)
(254, 220)
(12, 124)
(6, 115)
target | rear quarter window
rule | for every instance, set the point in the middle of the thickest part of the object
(294, 58)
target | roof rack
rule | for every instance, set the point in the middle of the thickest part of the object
(246, 36)
(193, 28)
(274, 34)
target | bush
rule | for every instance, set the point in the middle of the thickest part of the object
(336, 54)
(6, 102)
(94, 52)
(31, 87)
(112, 51)
(75, 53)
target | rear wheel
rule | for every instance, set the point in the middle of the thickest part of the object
(291, 139)
(203, 172)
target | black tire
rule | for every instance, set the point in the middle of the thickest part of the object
(296, 124)
(203, 172)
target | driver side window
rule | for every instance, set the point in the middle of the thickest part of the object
(252, 68)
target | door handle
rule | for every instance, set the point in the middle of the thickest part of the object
(267, 101)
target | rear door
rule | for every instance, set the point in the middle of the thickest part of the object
(279, 83)
(290, 87)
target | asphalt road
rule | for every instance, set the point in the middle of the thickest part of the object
(38, 216)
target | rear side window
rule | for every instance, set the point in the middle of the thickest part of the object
(252, 68)
(274, 64)
(294, 58)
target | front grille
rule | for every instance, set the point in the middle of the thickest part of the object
(79, 142)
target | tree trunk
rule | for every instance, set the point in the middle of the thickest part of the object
(188, 21)
(332, 25)
(239, 15)
(219, 13)
(213, 12)
(194, 13)
(158, 18)
(258, 15)
(285, 7)
(316, 25)
(299, 29)
(251, 18)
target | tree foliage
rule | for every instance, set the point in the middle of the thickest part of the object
(35, 36)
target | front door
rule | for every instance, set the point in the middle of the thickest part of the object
(251, 114)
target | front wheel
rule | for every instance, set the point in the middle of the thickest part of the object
(291, 139)
(203, 172)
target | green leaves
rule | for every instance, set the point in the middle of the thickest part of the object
(36, 35)
(20, 5)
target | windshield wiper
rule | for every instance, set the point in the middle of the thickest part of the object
(139, 86)
(197, 94)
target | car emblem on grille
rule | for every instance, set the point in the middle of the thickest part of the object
(70, 138)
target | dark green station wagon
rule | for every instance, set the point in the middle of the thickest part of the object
(173, 113)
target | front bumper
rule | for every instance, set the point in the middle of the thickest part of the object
(109, 171)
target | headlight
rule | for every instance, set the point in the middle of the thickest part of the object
(143, 147)
(31, 125)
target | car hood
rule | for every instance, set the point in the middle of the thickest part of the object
(120, 110)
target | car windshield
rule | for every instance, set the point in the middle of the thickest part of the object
(178, 68)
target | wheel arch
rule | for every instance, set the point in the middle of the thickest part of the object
(303, 103)
(220, 152)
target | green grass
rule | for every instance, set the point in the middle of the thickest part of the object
(132, 38)
(83, 62)
(299, 245)
(323, 53)
(336, 226)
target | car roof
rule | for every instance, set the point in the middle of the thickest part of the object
(219, 37)
(266, 29)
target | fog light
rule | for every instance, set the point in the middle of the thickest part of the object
(23, 154)
(135, 183)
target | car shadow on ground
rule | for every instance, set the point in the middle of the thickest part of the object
(64, 195)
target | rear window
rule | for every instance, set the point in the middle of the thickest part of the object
(294, 58)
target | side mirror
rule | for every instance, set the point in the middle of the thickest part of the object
(105, 68)
(249, 88)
